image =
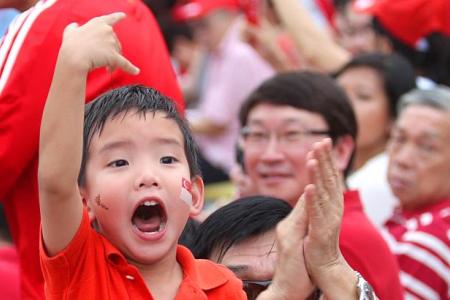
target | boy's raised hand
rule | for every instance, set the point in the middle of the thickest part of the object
(94, 45)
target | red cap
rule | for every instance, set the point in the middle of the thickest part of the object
(195, 9)
(409, 20)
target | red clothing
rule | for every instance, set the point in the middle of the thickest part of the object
(366, 252)
(92, 268)
(9, 273)
(421, 241)
(27, 59)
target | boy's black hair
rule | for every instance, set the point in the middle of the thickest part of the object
(133, 99)
(396, 73)
(310, 91)
(237, 221)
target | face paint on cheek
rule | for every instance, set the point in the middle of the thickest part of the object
(186, 191)
(99, 203)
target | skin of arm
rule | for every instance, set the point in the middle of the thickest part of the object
(320, 51)
(206, 127)
(61, 137)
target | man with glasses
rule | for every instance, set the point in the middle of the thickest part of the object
(418, 173)
(281, 120)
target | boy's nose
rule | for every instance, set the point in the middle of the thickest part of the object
(147, 179)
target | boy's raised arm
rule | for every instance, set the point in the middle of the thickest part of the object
(84, 48)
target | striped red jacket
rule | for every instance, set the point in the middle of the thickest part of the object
(421, 242)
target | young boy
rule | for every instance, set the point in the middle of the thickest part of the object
(139, 183)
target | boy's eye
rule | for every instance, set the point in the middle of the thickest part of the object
(168, 160)
(118, 163)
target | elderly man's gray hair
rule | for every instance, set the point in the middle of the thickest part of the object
(437, 97)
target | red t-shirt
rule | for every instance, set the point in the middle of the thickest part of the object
(365, 250)
(9, 273)
(90, 267)
(27, 59)
(420, 240)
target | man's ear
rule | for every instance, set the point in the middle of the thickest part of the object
(343, 150)
(87, 203)
(198, 194)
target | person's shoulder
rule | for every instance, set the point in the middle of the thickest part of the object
(212, 269)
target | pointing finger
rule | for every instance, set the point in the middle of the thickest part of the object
(126, 65)
(113, 18)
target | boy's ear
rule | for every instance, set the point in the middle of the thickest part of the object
(197, 192)
(87, 203)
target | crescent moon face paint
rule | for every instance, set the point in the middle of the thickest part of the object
(186, 191)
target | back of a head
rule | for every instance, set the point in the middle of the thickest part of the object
(236, 222)
(133, 99)
(310, 91)
(396, 73)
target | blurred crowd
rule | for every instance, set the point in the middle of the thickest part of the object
(262, 81)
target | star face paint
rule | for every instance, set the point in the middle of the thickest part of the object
(186, 191)
(99, 203)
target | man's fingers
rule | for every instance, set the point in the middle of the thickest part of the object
(126, 65)
(313, 193)
(327, 168)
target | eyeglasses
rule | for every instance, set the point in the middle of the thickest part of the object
(254, 287)
(260, 138)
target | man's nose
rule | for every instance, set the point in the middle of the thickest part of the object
(404, 156)
(272, 150)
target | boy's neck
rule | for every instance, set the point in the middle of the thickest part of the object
(164, 277)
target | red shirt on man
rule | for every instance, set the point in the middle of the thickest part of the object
(365, 250)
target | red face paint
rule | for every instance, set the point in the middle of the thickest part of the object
(186, 189)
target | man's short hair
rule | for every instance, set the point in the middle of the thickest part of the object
(437, 97)
(236, 222)
(133, 99)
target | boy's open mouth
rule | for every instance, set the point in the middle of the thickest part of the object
(149, 217)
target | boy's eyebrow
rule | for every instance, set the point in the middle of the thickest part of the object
(169, 141)
(115, 144)
(126, 143)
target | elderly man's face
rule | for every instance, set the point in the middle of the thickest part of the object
(419, 168)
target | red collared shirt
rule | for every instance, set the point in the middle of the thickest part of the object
(365, 250)
(92, 268)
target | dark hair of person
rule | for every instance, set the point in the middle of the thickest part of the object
(5, 234)
(340, 5)
(396, 74)
(310, 91)
(133, 99)
(236, 222)
(432, 62)
(189, 233)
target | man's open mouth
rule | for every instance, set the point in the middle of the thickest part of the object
(149, 217)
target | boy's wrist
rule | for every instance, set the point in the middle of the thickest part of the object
(72, 62)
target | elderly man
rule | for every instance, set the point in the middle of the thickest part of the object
(280, 121)
(419, 174)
